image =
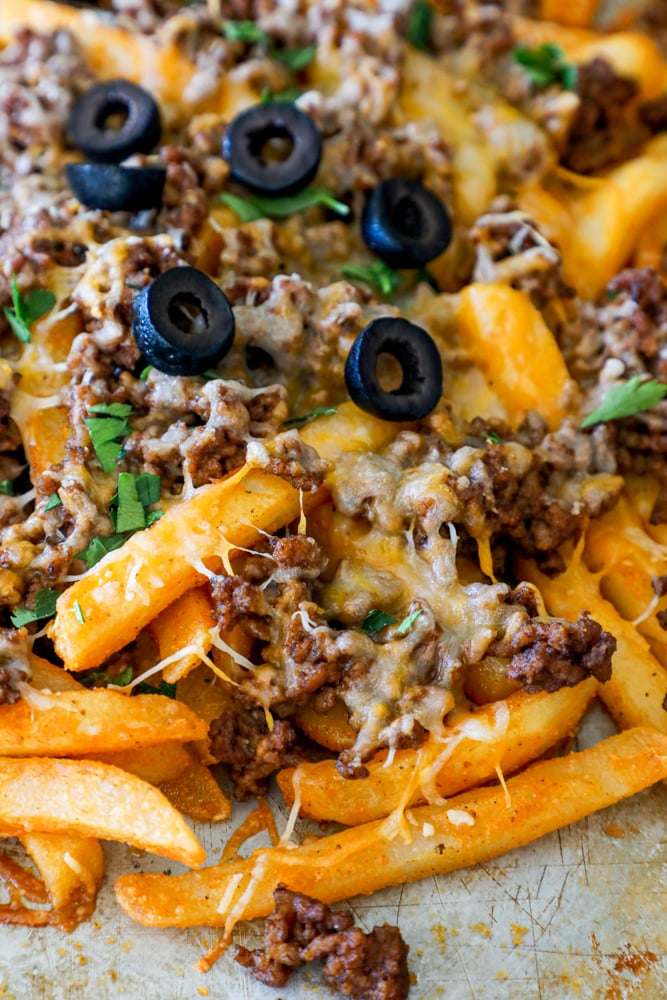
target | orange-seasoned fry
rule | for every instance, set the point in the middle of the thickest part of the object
(89, 799)
(44, 438)
(636, 691)
(72, 869)
(130, 586)
(577, 15)
(48, 675)
(186, 622)
(207, 695)
(65, 723)
(470, 828)
(529, 726)
(197, 794)
(332, 730)
(517, 352)
(155, 764)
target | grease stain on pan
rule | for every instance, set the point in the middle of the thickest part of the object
(625, 969)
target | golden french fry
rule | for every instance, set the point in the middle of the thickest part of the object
(207, 695)
(197, 794)
(186, 622)
(155, 764)
(506, 734)
(471, 828)
(89, 799)
(48, 675)
(331, 730)
(66, 723)
(72, 869)
(636, 691)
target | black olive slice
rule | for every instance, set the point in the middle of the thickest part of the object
(273, 149)
(114, 188)
(405, 223)
(419, 360)
(114, 119)
(183, 322)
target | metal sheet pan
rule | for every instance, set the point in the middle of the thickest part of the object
(578, 914)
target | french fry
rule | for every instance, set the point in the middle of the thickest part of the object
(534, 723)
(48, 675)
(197, 794)
(66, 723)
(89, 799)
(331, 730)
(155, 764)
(545, 797)
(635, 693)
(72, 869)
(511, 343)
(186, 622)
(207, 696)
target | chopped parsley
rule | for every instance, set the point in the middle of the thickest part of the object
(420, 23)
(634, 396)
(130, 503)
(163, 688)
(295, 59)
(493, 438)
(7, 487)
(319, 411)
(378, 275)
(45, 607)
(407, 623)
(253, 207)
(100, 677)
(375, 621)
(99, 547)
(23, 312)
(53, 502)
(288, 94)
(78, 611)
(145, 372)
(246, 31)
(546, 64)
(107, 431)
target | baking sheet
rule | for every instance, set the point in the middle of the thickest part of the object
(581, 913)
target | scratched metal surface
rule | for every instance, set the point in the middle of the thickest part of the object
(581, 914)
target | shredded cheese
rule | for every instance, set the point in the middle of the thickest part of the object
(228, 894)
(459, 817)
(286, 838)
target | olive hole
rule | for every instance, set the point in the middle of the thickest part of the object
(273, 144)
(389, 372)
(186, 312)
(407, 216)
(113, 115)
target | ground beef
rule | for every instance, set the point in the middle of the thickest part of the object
(14, 663)
(237, 602)
(287, 456)
(240, 738)
(549, 655)
(369, 966)
(7, 693)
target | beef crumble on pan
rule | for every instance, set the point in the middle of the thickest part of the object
(363, 966)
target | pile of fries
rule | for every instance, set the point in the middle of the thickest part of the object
(81, 765)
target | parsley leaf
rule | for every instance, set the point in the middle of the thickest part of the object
(7, 487)
(107, 431)
(420, 23)
(375, 621)
(295, 59)
(78, 611)
(163, 688)
(407, 623)
(99, 547)
(99, 676)
(288, 94)
(25, 311)
(546, 64)
(53, 502)
(319, 411)
(253, 207)
(634, 396)
(493, 438)
(133, 496)
(246, 31)
(145, 373)
(45, 607)
(379, 275)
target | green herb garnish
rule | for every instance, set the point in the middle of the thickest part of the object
(7, 487)
(163, 688)
(288, 94)
(246, 31)
(379, 275)
(253, 207)
(375, 621)
(78, 611)
(493, 438)
(45, 607)
(407, 623)
(546, 64)
(23, 312)
(53, 502)
(99, 676)
(319, 411)
(107, 432)
(99, 547)
(420, 23)
(145, 372)
(634, 396)
(133, 496)
(295, 59)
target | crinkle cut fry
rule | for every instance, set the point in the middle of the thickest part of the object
(361, 860)
(535, 723)
(89, 799)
